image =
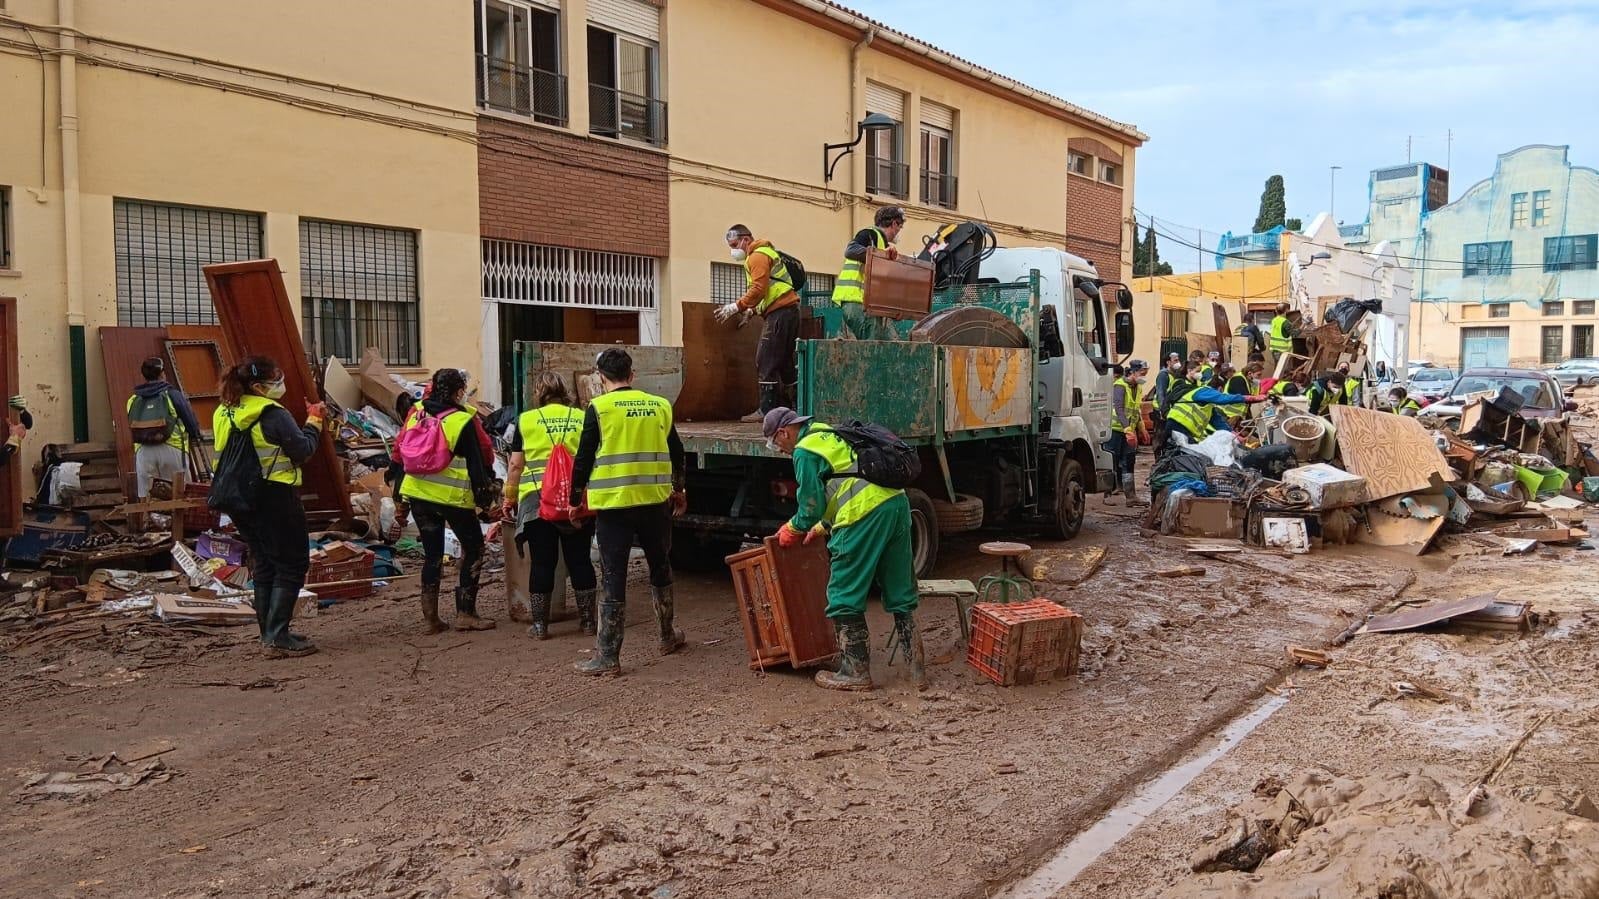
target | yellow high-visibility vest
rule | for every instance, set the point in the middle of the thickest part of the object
(541, 430)
(1194, 418)
(179, 438)
(778, 280)
(848, 499)
(1281, 342)
(1131, 414)
(633, 466)
(275, 463)
(452, 486)
(851, 284)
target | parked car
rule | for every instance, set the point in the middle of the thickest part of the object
(1576, 372)
(1540, 393)
(1430, 383)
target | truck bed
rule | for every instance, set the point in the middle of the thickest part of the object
(728, 438)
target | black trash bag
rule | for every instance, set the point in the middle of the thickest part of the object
(1271, 460)
(1173, 459)
(1347, 313)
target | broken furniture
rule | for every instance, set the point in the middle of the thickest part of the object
(782, 601)
(1010, 579)
(1024, 642)
(962, 592)
(899, 288)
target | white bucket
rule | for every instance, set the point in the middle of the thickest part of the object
(1304, 433)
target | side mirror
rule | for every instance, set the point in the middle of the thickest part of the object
(1089, 288)
(1124, 333)
(1569, 406)
(1124, 299)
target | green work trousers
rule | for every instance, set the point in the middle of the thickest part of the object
(867, 327)
(876, 549)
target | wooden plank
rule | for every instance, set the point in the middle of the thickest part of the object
(1394, 453)
(10, 385)
(253, 306)
(122, 351)
(899, 288)
(802, 573)
(988, 387)
(719, 380)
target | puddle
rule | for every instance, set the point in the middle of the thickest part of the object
(1060, 870)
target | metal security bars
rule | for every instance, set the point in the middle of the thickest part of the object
(160, 250)
(358, 289)
(727, 282)
(515, 272)
(619, 113)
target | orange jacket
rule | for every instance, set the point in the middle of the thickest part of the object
(760, 269)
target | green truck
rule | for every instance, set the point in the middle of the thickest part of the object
(1011, 433)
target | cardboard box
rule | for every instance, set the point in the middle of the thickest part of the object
(1208, 517)
(1329, 487)
(192, 609)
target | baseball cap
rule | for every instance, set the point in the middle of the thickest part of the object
(781, 417)
(1138, 365)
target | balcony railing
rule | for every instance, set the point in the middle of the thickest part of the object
(617, 113)
(524, 90)
(887, 177)
(938, 189)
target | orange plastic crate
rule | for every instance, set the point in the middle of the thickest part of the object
(1024, 642)
(201, 518)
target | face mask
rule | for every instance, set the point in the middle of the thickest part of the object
(738, 254)
(772, 445)
(275, 390)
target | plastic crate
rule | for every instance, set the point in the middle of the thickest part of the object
(228, 548)
(201, 518)
(1024, 642)
(355, 568)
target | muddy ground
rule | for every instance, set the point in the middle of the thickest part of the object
(474, 765)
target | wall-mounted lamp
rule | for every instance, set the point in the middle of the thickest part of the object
(874, 121)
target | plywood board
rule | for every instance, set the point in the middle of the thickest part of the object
(10, 385)
(988, 387)
(1412, 535)
(899, 288)
(340, 385)
(122, 351)
(1394, 453)
(253, 306)
(719, 382)
(1409, 619)
(195, 366)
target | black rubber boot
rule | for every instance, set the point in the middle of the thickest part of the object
(854, 657)
(585, 610)
(769, 401)
(262, 602)
(671, 638)
(909, 641)
(430, 610)
(607, 659)
(1131, 492)
(540, 605)
(281, 643)
(466, 611)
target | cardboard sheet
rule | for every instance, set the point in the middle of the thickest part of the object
(1394, 453)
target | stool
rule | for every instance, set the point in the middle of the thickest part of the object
(962, 592)
(1010, 579)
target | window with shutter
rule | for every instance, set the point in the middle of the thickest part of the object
(160, 250)
(358, 289)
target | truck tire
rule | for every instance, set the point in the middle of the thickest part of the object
(924, 532)
(962, 515)
(1069, 500)
(693, 551)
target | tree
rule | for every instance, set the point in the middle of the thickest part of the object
(1146, 256)
(1273, 205)
(1294, 224)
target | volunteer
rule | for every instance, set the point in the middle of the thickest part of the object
(870, 543)
(1283, 331)
(451, 498)
(1400, 402)
(162, 424)
(849, 291)
(1352, 386)
(630, 464)
(1199, 411)
(275, 529)
(552, 421)
(1127, 423)
(770, 291)
(1328, 391)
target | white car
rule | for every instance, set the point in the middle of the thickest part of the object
(1576, 372)
(1430, 384)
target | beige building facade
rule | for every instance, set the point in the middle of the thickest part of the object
(138, 148)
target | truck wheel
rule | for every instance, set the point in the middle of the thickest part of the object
(962, 515)
(924, 532)
(1071, 498)
(696, 552)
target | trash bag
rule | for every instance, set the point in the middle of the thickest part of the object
(1173, 459)
(1347, 313)
(1271, 460)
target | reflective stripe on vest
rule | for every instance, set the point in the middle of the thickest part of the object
(848, 499)
(1130, 416)
(850, 287)
(275, 463)
(1280, 341)
(1194, 418)
(633, 466)
(1350, 386)
(778, 280)
(452, 486)
(541, 429)
(1238, 410)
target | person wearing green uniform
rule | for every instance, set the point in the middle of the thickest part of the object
(849, 291)
(870, 543)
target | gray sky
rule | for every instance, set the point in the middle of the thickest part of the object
(1230, 93)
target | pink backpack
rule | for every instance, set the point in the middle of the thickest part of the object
(422, 446)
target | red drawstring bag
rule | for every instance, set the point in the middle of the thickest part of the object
(557, 488)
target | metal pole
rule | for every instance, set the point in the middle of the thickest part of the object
(1332, 192)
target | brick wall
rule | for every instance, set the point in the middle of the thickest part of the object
(1094, 223)
(543, 186)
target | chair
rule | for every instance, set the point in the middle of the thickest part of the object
(962, 592)
(1010, 583)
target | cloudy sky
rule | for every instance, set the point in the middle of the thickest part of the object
(1230, 93)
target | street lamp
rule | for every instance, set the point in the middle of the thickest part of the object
(874, 121)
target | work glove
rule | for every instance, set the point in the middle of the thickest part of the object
(679, 503)
(726, 313)
(508, 508)
(788, 535)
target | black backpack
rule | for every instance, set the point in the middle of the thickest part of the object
(796, 272)
(237, 482)
(880, 456)
(151, 419)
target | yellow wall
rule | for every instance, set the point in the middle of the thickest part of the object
(1435, 331)
(403, 158)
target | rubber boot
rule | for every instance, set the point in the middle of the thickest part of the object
(466, 611)
(607, 659)
(262, 603)
(585, 610)
(430, 610)
(671, 638)
(910, 643)
(540, 604)
(768, 403)
(282, 643)
(1131, 492)
(854, 657)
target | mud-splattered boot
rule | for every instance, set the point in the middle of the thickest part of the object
(585, 610)
(672, 639)
(466, 611)
(430, 610)
(1130, 491)
(607, 661)
(908, 640)
(540, 605)
(854, 657)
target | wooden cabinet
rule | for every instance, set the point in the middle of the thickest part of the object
(782, 595)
